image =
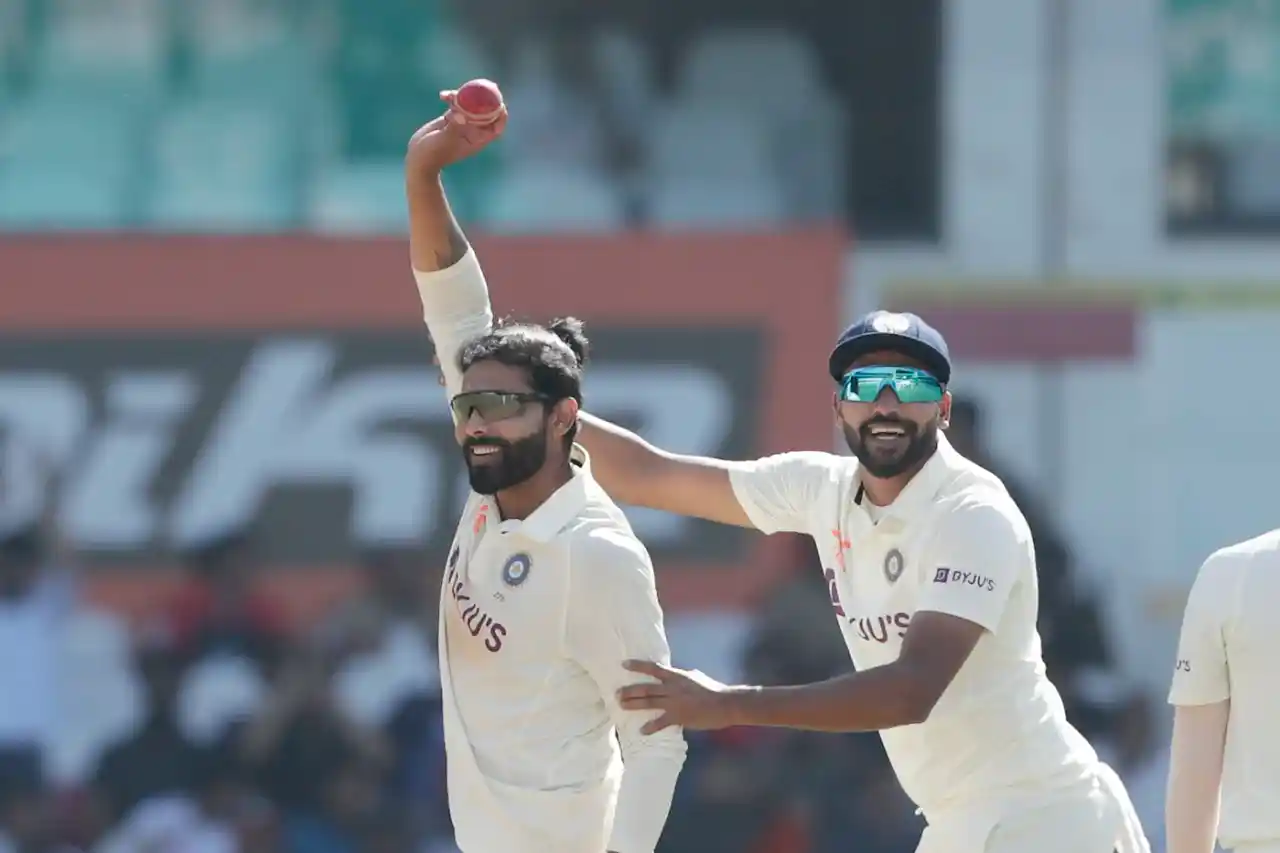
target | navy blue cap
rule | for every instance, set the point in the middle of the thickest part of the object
(902, 333)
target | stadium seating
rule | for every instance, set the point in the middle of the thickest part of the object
(707, 204)
(629, 76)
(255, 114)
(359, 198)
(553, 200)
(110, 48)
(57, 199)
(223, 165)
(769, 70)
(1253, 176)
(705, 140)
(55, 175)
(774, 76)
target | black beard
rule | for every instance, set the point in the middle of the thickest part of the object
(921, 443)
(517, 462)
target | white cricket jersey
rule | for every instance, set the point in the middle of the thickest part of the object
(1227, 651)
(537, 617)
(953, 542)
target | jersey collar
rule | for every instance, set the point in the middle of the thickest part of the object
(920, 493)
(566, 503)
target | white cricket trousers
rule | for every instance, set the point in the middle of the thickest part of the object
(1097, 817)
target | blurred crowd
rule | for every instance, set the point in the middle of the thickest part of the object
(264, 115)
(214, 725)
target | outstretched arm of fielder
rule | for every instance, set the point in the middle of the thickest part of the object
(635, 472)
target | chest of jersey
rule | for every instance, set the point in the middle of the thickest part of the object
(504, 598)
(874, 574)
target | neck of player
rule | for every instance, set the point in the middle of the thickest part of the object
(882, 491)
(518, 502)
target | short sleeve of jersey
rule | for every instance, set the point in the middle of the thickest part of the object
(1201, 676)
(979, 551)
(779, 493)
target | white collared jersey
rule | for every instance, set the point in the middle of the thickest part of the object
(953, 542)
(537, 617)
(1227, 651)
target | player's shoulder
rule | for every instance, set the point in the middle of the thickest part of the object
(1259, 553)
(602, 536)
(607, 560)
(811, 466)
(973, 492)
(977, 507)
(815, 460)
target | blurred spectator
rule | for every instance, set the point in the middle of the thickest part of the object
(387, 677)
(219, 609)
(292, 741)
(842, 783)
(1077, 651)
(729, 793)
(399, 592)
(64, 671)
(208, 817)
(259, 829)
(158, 758)
(855, 794)
(347, 810)
(33, 603)
(796, 637)
(26, 816)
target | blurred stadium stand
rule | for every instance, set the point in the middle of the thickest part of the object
(266, 115)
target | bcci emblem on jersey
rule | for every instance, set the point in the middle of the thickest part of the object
(516, 570)
(893, 564)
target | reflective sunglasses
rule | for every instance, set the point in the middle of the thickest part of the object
(909, 384)
(492, 405)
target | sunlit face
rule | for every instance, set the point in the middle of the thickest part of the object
(889, 437)
(506, 431)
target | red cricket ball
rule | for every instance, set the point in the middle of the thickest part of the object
(479, 100)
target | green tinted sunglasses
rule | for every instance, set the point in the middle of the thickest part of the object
(909, 384)
(492, 405)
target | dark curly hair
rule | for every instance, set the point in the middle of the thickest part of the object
(553, 356)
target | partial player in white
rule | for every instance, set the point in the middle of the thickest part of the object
(932, 575)
(547, 589)
(1224, 770)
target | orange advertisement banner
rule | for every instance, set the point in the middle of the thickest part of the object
(189, 385)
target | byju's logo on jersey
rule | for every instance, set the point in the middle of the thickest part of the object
(516, 570)
(959, 578)
(481, 625)
(880, 629)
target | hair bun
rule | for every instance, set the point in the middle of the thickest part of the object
(569, 330)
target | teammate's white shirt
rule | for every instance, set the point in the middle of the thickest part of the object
(1228, 647)
(536, 619)
(953, 542)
